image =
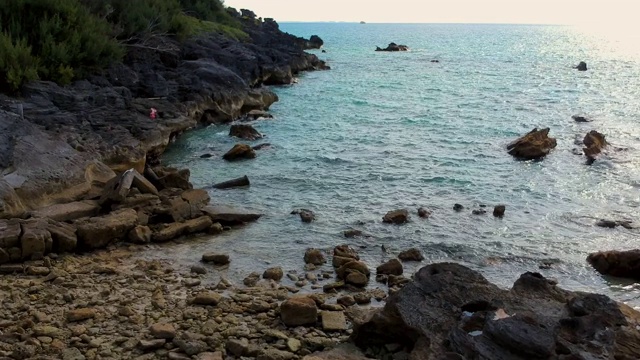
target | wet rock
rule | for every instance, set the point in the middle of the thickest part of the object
(80, 314)
(216, 229)
(227, 215)
(216, 259)
(624, 264)
(140, 235)
(245, 132)
(206, 156)
(594, 143)
(98, 232)
(239, 182)
(424, 213)
(534, 145)
(345, 251)
(498, 210)
(351, 233)
(479, 212)
(252, 279)
(333, 287)
(398, 280)
(207, 298)
(333, 321)
(261, 146)
(346, 301)
(391, 267)
(274, 273)
(314, 256)
(458, 207)
(614, 223)
(394, 47)
(382, 278)
(352, 266)
(258, 114)
(580, 118)
(240, 152)
(197, 269)
(362, 298)
(357, 278)
(396, 217)
(582, 66)
(162, 331)
(307, 216)
(412, 254)
(299, 311)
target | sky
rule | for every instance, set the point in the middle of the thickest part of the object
(615, 13)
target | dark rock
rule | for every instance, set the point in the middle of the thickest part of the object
(351, 233)
(352, 266)
(458, 207)
(240, 152)
(534, 145)
(396, 217)
(216, 259)
(274, 273)
(624, 264)
(258, 114)
(582, 66)
(314, 256)
(299, 311)
(245, 132)
(242, 181)
(498, 210)
(435, 61)
(391, 267)
(424, 213)
(227, 215)
(345, 251)
(394, 47)
(580, 118)
(594, 143)
(411, 255)
(206, 156)
(479, 211)
(306, 216)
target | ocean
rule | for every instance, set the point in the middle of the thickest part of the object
(383, 131)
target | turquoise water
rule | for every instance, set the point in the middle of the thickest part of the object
(383, 131)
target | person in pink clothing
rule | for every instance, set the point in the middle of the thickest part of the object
(154, 113)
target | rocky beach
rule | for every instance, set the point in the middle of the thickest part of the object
(83, 193)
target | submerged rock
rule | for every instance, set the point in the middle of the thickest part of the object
(396, 217)
(314, 256)
(594, 143)
(452, 312)
(498, 210)
(240, 152)
(534, 145)
(245, 132)
(424, 213)
(582, 66)
(411, 255)
(458, 207)
(394, 47)
(580, 118)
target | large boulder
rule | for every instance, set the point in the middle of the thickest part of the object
(299, 311)
(594, 143)
(240, 152)
(396, 217)
(624, 264)
(452, 312)
(98, 232)
(36, 240)
(394, 47)
(534, 145)
(227, 215)
(245, 132)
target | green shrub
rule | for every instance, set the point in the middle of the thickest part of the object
(17, 65)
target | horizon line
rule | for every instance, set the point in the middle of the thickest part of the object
(418, 23)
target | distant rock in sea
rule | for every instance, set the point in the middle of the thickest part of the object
(394, 47)
(362, 22)
(582, 66)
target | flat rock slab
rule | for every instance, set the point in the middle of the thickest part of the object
(9, 233)
(98, 232)
(333, 321)
(67, 212)
(227, 215)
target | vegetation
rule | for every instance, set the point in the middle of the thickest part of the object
(62, 40)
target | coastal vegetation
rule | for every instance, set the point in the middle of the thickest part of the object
(63, 40)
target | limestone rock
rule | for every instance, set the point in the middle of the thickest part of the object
(239, 152)
(391, 267)
(207, 298)
(9, 233)
(333, 321)
(69, 211)
(140, 235)
(534, 145)
(98, 232)
(396, 217)
(299, 311)
(63, 235)
(227, 215)
(36, 240)
(162, 331)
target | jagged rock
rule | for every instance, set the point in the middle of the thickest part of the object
(582, 66)
(412, 254)
(314, 256)
(35, 240)
(534, 319)
(98, 232)
(239, 152)
(68, 212)
(63, 235)
(424, 213)
(299, 311)
(169, 178)
(391, 267)
(140, 235)
(396, 217)
(624, 264)
(614, 223)
(258, 114)
(175, 230)
(498, 210)
(594, 143)
(315, 42)
(11, 205)
(534, 145)
(242, 181)
(394, 47)
(478, 211)
(227, 215)
(274, 273)
(245, 132)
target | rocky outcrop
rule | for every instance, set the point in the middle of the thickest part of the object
(450, 311)
(394, 47)
(534, 145)
(594, 143)
(624, 264)
(240, 152)
(245, 132)
(580, 118)
(314, 42)
(582, 66)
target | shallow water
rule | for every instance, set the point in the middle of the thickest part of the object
(392, 130)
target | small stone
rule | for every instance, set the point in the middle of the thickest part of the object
(162, 331)
(216, 229)
(80, 314)
(216, 259)
(333, 321)
(314, 256)
(147, 345)
(210, 356)
(274, 273)
(458, 207)
(351, 233)
(499, 210)
(479, 212)
(38, 270)
(411, 255)
(332, 287)
(346, 301)
(294, 345)
(236, 347)
(207, 298)
(396, 217)
(397, 280)
(275, 354)
(391, 267)
(307, 216)
(177, 356)
(191, 282)
(197, 269)
(252, 279)
(357, 278)
(299, 311)
(424, 213)
(332, 307)
(72, 354)
(362, 298)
